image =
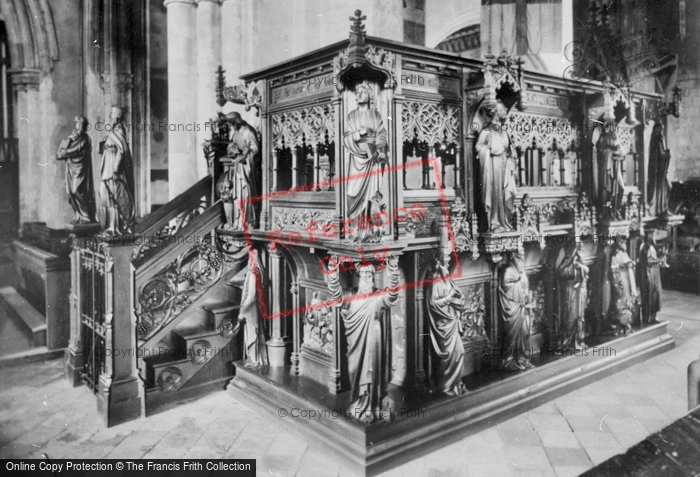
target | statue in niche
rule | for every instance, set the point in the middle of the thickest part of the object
(649, 274)
(623, 289)
(117, 179)
(496, 157)
(572, 275)
(318, 326)
(250, 314)
(239, 184)
(366, 140)
(363, 312)
(611, 181)
(76, 150)
(659, 187)
(515, 306)
(446, 304)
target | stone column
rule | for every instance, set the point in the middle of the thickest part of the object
(182, 95)
(208, 18)
(277, 344)
(232, 39)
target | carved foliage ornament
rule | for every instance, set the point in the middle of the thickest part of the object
(301, 219)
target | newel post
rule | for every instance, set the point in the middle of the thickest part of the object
(118, 391)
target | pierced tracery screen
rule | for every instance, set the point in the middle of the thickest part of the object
(429, 130)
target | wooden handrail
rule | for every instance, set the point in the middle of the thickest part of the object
(157, 219)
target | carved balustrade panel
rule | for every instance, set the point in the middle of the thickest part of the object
(164, 296)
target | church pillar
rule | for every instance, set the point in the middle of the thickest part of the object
(208, 59)
(182, 93)
(26, 84)
(232, 39)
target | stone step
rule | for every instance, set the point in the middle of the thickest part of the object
(215, 312)
(15, 305)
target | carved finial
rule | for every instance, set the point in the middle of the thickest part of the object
(357, 29)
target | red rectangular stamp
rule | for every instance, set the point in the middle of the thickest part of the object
(367, 229)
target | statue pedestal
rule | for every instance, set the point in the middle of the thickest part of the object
(84, 229)
(496, 243)
(613, 228)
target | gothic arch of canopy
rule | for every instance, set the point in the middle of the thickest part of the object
(31, 34)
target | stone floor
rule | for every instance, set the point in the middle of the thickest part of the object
(40, 413)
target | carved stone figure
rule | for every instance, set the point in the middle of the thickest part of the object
(76, 150)
(611, 181)
(117, 179)
(446, 304)
(572, 284)
(363, 311)
(366, 140)
(472, 319)
(659, 187)
(623, 290)
(318, 326)
(242, 160)
(515, 306)
(496, 158)
(251, 314)
(649, 275)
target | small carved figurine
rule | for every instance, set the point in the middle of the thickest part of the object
(117, 179)
(446, 304)
(515, 306)
(76, 150)
(366, 140)
(366, 340)
(244, 157)
(649, 274)
(251, 314)
(496, 158)
(572, 284)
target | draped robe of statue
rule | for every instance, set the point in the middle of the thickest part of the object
(611, 182)
(364, 192)
(368, 364)
(573, 298)
(253, 333)
(649, 282)
(79, 186)
(446, 304)
(659, 186)
(245, 151)
(496, 155)
(623, 291)
(513, 298)
(117, 184)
